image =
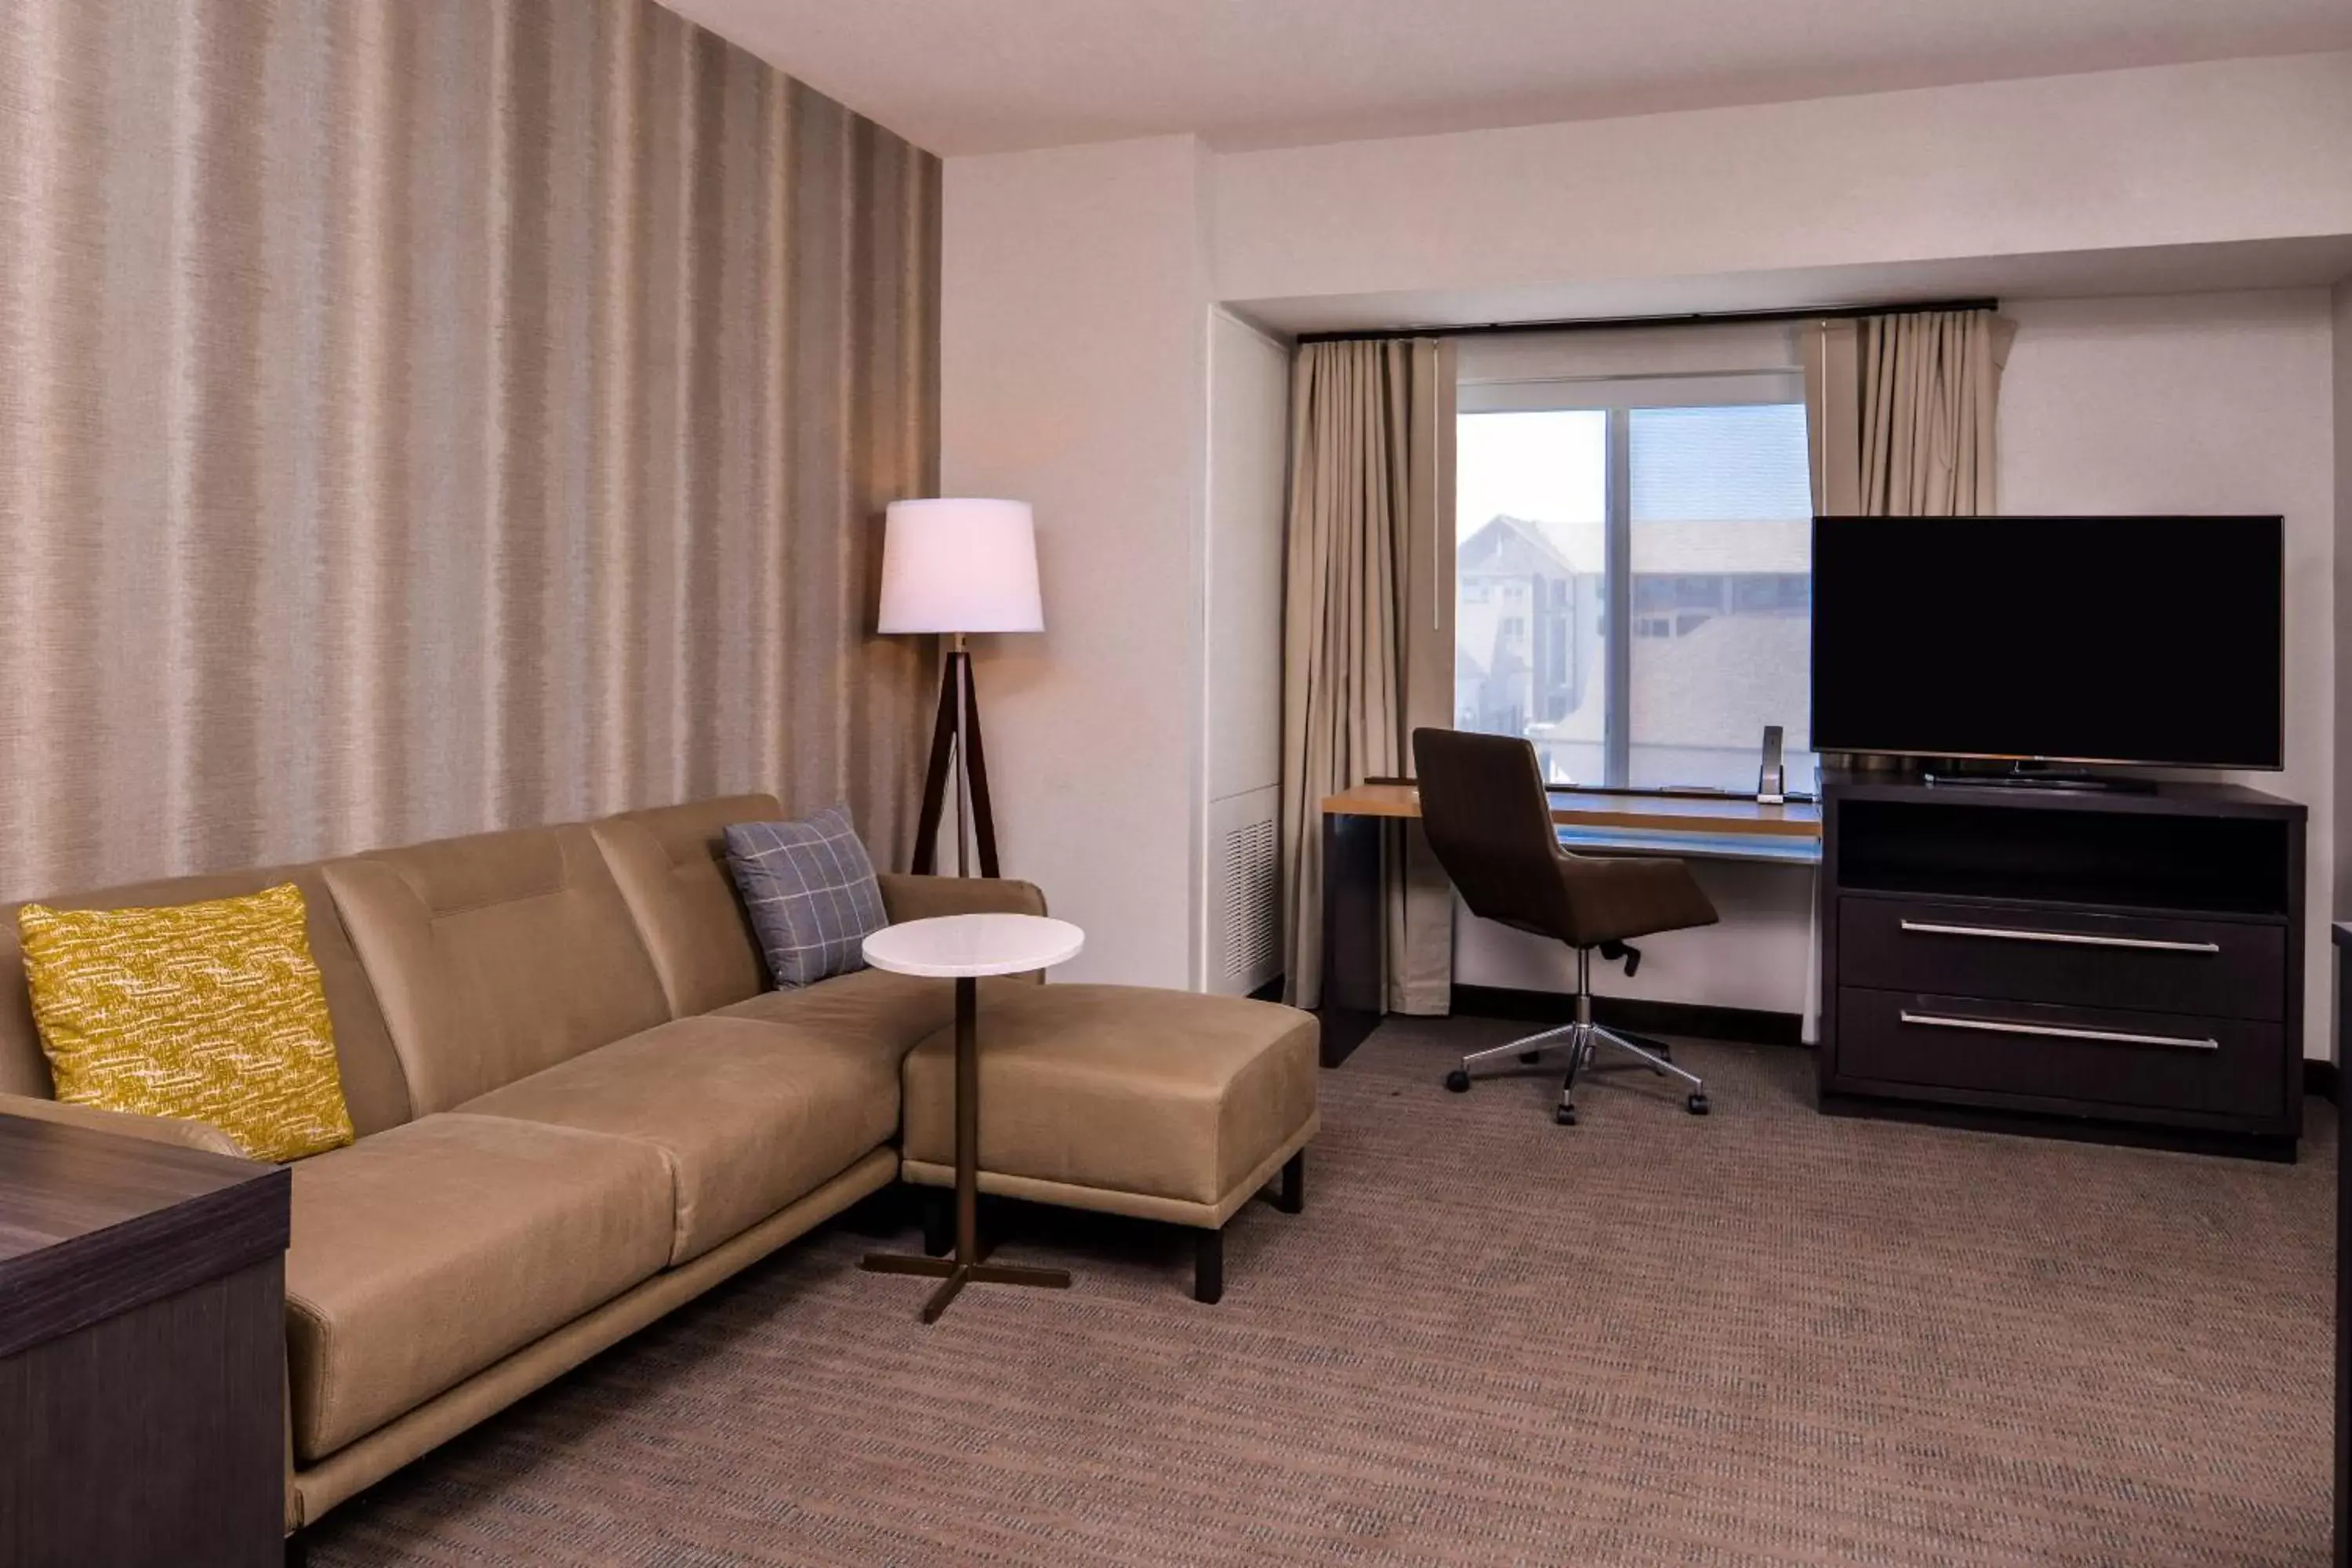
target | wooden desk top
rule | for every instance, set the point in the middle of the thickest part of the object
(1726, 815)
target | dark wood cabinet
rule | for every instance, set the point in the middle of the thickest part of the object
(142, 1352)
(2125, 959)
(2342, 938)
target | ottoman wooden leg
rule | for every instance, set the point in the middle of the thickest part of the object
(1209, 1266)
(1292, 1196)
(879, 1215)
(939, 1221)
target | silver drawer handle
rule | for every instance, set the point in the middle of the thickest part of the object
(2063, 938)
(2104, 1036)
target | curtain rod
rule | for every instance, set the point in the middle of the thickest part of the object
(1693, 319)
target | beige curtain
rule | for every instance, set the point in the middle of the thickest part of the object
(425, 416)
(1902, 411)
(1368, 635)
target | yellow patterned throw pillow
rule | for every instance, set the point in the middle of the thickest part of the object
(210, 1012)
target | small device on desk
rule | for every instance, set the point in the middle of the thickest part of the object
(1771, 781)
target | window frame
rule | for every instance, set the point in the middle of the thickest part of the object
(1617, 396)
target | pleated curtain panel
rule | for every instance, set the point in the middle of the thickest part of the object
(1902, 411)
(427, 415)
(1368, 635)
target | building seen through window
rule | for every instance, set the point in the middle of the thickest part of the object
(1712, 544)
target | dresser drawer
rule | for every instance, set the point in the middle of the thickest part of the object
(2143, 963)
(2091, 1057)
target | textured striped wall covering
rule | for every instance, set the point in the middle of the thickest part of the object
(425, 416)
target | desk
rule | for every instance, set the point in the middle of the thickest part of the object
(1724, 827)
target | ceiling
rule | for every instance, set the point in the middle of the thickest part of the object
(983, 76)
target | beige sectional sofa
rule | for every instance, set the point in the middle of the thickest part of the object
(576, 1108)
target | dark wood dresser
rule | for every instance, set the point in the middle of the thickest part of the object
(142, 1352)
(2132, 960)
(2343, 933)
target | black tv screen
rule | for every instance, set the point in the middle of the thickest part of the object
(2081, 639)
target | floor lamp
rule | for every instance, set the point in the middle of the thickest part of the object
(950, 568)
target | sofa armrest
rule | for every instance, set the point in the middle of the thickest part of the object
(199, 1135)
(909, 898)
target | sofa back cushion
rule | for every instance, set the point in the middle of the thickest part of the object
(374, 1087)
(671, 865)
(494, 956)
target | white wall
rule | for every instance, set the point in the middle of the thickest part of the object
(1760, 956)
(1072, 376)
(2211, 402)
(1237, 911)
(1249, 465)
(2228, 151)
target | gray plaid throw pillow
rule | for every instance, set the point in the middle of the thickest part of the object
(811, 891)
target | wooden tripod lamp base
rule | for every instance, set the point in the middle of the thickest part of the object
(954, 567)
(955, 747)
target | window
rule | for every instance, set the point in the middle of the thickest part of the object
(1531, 510)
(1684, 496)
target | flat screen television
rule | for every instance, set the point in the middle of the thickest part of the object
(2154, 641)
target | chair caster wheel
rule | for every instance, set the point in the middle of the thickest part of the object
(1695, 1104)
(1565, 1115)
(1531, 1057)
(1458, 1081)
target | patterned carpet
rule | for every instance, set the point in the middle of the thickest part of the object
(1767, 1337)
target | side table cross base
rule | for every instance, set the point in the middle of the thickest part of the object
(956, 1275)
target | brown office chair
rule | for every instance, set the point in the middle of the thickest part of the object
(1484, 807)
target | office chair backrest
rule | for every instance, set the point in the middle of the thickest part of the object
(1484, 807)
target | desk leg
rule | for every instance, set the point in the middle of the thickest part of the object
(1353, 984)
(1809, 1029)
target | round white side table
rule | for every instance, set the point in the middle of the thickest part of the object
(963, 948)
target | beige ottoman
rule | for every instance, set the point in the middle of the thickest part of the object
(1166, 1105)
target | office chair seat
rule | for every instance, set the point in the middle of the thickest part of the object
(1616, 901)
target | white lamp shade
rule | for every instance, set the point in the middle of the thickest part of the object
(959, 565)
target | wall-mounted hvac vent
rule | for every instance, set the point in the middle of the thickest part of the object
(1248, 905)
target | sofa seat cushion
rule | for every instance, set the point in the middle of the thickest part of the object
(424, 1253)
(746, 1116)
(1180, 1102)
(893, 1011)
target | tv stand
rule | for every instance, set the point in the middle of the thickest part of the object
(2023, 777)
(2117, 963)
